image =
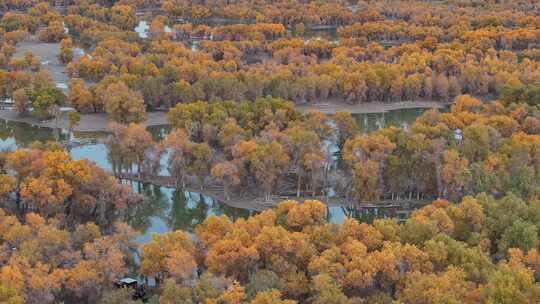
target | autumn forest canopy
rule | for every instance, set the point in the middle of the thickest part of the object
(242, 86)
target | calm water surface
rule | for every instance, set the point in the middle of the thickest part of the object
(167, 209)
(398, 118)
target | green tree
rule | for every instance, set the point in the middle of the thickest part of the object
(45, 100)
(124, 105)
(73, 120)
(510, 284)
(269, 160)
(521, 234)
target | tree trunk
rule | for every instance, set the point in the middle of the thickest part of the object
(139, 167)
(299, 183)
(102, 212)
(226, 192)
(18, 201)
(439, 178)
(312, 184)
(179, 182)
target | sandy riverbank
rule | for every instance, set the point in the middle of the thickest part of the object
(89, 122)
(99, 122)
(370, 107)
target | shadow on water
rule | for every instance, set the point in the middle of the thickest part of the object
(17, 134)
(368, 214)
(370, 122)
(167, 209)
(159, 132)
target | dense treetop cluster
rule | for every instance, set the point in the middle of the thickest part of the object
(482, 250)
(301, 51)
(442, 254)
(45, 180)
(60, 226)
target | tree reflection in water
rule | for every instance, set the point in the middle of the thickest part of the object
(18, 134)
(187, 210)
(155, 205)
(168, 209)
(369, 122)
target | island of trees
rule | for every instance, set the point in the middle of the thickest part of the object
(264, 148)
